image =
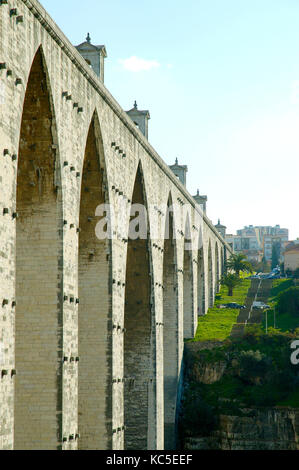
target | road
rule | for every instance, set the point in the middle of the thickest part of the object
(258, 291)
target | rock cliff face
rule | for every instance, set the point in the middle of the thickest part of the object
(202, 371)
(209, 373)
(237, 426)
(268, 429)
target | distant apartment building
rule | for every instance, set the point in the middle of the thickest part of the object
(249, 245)
(290, 255)
(257, 242)
(274, 237)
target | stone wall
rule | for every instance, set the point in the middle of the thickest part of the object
(272, 429)
(66, 146)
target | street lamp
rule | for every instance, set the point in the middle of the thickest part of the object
(267, 320)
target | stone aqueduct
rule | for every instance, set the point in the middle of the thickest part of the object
(91, 330)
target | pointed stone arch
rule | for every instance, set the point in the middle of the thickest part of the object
(39, 276)
(139, 369)
(95, 309)
(170, 330)
(201, 295)
(222, 261)
(188, 283)
(225, 258)
(210, 277)
(217, 269)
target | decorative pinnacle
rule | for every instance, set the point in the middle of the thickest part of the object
(176, 161)
(88, 39)
(135, 105)
(198, 192)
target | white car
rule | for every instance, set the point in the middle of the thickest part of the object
(258, 304)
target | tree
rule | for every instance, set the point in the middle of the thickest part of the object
(239, 263)
(265, 265)
(198, 417)
(288, 301)
(253, 365)
(275, 254)
(230, 280)
(289, 272)
(296, 274)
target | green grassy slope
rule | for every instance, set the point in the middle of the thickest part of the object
(218, 323)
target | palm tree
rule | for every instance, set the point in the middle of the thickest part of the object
(230, 280)
(239, 263)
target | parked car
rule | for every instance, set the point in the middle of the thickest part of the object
(260, 305)
(231, 305)
(274, 276)
(235, 305)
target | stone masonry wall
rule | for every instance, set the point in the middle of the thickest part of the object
(60, 267)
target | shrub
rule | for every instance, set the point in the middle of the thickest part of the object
(253, 332)
(199, 417)
(284, 381)
(296, 274)
(264, 395)
(253, 365)
(230, 281)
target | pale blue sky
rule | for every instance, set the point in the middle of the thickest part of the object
(222, 87)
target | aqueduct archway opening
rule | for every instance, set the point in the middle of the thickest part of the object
(210, 277)
(138, 344)
(94, 261)
(201, 280)
(217, 269)
(38, 392)
(170, 330)
(188, 284)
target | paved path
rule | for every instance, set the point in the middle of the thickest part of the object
(259, 290)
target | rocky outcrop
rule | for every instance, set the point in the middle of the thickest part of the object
(209, 373)
(267, 429)
(203, 371)
(236, 414)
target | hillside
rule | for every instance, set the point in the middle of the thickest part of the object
(242, 392)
